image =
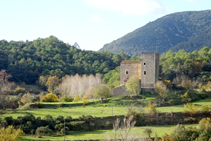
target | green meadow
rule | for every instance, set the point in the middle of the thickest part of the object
(102, 134)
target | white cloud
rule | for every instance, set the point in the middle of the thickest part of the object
(132, 7)
(95, 18)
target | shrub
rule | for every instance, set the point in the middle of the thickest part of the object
(9, 120)
(205, 108)
(190, 108)
(11, 134)
(77, 98)
(66, 98)
(60, 118)
(19, 90)
(108, 124)
(151, 109)
(131, 112)
(41, 131)
(77, 125)
(68, 119)
(50, 98)
(85, 100)
(204, 123)
(27, 98)
(186, 97)
(87, 118)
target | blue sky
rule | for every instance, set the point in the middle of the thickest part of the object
(90, 23)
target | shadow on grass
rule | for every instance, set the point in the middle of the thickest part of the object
(71, 135)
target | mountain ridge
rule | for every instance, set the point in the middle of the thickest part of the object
(167, 32)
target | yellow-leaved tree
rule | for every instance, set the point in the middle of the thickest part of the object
(133, 85)
(11, 134)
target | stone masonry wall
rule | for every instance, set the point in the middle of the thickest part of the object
(149, 69)
(120, 91)
(129, 69)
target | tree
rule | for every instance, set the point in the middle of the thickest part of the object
(102, 91)
(161, 89)
(52, 83)
(133, 84)
(10, 134)
(4, 86)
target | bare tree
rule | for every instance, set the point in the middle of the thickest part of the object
(4, 86)
(124, 131)
(75, 85)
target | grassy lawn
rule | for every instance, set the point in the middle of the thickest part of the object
(95, 111)
(74, 112)
(101, 134)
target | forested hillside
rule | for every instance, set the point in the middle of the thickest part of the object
(184, 30)
(195, 66)
(26, 61)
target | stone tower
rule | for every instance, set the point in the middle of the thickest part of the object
(129, 69)
(149, 70)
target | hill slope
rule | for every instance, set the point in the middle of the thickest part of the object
(26, 61)
(184, 30)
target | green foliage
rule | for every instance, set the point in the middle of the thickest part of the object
(85, 100)
(190, 108)
(151, 109)
(133, 84)
(101, 91)
(77, 98)
(52, 83)
(11, 134)
(50, 98)
(205, 123)
(112, 78)
(41, 131)
(161, 89)
(186, 98)
(66, 98)
(158, 34)
(19, 90)
(29, 60)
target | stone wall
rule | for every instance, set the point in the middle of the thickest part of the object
(129, 69)
(149, 69)
(120, 91)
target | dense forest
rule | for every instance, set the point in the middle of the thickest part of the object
(28, 60)
(190, 30)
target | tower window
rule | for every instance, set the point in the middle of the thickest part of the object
(126, 72)
(144, 63)
(145, 72)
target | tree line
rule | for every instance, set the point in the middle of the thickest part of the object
(27, 60)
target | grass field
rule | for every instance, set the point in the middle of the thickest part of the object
(101, 134)
(95, 111)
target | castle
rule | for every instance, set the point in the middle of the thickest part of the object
(147, 71)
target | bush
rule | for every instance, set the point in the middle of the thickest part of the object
(66, 98)
(85, 100)
(205, 108)
(41, 131)
(190, 108)
(60, 118)
(50, 98)
(68, 119)
(19, 90)
(87, 118)
(151, 109)
(204, 123)
(11, 134)
(77, 98)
